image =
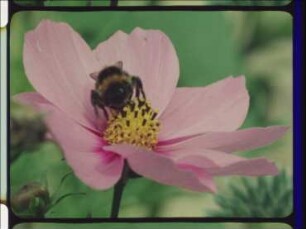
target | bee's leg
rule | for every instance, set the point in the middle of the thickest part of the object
(105, 112)
(96, 102)
(137, 83)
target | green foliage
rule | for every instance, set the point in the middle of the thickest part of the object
(262, 197)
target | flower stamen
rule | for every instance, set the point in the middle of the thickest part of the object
(135, 124)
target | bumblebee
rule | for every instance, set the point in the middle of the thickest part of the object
(114, 89)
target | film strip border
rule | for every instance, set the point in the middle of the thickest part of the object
(3, 105)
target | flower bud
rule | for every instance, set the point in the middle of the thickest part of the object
(32, 197)
(27, 132)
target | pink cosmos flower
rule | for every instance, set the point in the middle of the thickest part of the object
(198, 131)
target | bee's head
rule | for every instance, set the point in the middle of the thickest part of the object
(118, 94)
(114, 86)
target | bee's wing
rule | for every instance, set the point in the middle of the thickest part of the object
(119, 64)
(95, 75)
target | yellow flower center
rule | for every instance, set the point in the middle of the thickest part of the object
(135, 124)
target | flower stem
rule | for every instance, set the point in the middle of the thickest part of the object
(114, 3)
(89, 3)
(118, 191)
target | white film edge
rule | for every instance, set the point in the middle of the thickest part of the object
(4, 13)
(4, 217)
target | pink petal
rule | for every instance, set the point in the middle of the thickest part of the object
(148, 54)
(223, 164)
(163, 170)
(58, 63)
(37, 101)
(251, 167)
(221, 106)
(34, 100)
(240, 140)
(30, 98)
(82, 148)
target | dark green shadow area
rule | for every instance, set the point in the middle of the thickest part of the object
(159, 225)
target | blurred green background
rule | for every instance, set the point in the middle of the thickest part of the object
(210, 47)
(161, 226)
(152, 2)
